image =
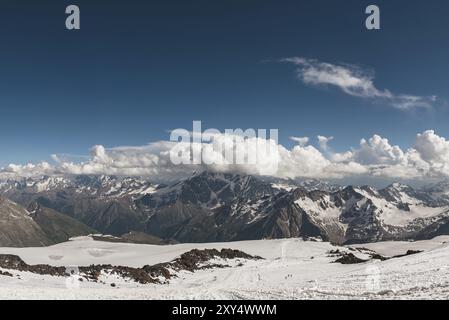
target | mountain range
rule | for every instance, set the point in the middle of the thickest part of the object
(210, 207)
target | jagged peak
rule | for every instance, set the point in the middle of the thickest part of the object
(399, 186)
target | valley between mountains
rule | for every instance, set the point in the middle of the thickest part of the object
(216, 207)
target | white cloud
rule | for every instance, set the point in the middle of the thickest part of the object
(323, 142)
(302, 141)
(432, 147)
(377, 150)
(433, 152)
(354, 81)
(28, 169)
(374, 157)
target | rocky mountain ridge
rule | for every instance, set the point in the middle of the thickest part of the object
(209, 207)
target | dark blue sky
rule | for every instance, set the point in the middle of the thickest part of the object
(139, 68)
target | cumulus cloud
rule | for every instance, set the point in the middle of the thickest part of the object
(377, 150)
(354, 81)
(28, 169)
(324, 141)
(302, 141)
(374, 157)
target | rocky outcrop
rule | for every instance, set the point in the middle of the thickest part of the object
(190, 261)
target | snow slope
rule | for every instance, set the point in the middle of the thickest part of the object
(392, 215)
(292, 269)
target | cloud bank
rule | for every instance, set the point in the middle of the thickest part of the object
(375, 157)
(354, 81)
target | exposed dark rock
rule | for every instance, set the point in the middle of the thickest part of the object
(134, 237)
(349, 258)
(379, 257)
(408, 253)
(13, 262)
(189, 261)
(5, 273)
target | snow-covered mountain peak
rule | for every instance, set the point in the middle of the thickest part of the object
(101, 186)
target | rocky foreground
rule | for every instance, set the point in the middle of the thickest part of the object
(192, 261)
(290, 269)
